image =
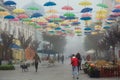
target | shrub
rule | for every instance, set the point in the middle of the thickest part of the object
(7, 67)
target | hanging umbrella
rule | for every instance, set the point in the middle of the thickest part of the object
(55, 20)
(85, 3)
(116, 10)
(117, 0)
(69, 17)
(84, 10)
(69, 14)
(21, 16)
(32, 8)
(102, 5)
(37, 26)
(58, 28)
(15, 46)
(75, 23)
(18, 10)
(4, 13)
(52, 11)
(35, 15)
(86, 15)
(101, 11)
(67, 8)
(49, 3)
(106, 27)
(9, 17)
(117, 6)
(53, 16)
(9, 3)
(15, 19)
(26, 19)
(85, 18)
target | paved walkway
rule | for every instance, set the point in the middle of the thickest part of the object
(57, 72)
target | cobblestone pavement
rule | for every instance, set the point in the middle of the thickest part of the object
(54, 72)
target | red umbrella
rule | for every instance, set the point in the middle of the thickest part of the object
(117, 6)
(21, 16)
(67, 8)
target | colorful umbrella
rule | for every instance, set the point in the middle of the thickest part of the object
(35, 15)
(116, 10)
(102, 5)
(21, 16)
(67, 8)
(69, 14)
(9, 17)
(106, 27)
(117, 0)
(49, 3)
(117, 6)
(101, 11)
(84, 10)
(4, 13)
(85, 3)
(70, 18)
(85, 18)
(55, 20)
(86, 15)
(33, 8)
(18, 11)
(15, 19)
(52, 11)
(26, 19)
(8, 3)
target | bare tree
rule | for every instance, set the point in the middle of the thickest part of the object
(25, 42)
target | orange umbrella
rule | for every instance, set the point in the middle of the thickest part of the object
(52, 11)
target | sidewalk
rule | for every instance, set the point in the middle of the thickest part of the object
(57, 72)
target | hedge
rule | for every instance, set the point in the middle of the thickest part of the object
(7, 67)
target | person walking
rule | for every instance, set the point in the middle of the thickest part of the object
(62, 59)
(74, 63)
(78, 56)
(37, 60)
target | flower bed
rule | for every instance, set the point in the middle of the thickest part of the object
(7, 67)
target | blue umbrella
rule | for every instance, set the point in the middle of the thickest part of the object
(75, 23)
(8, 3)
(15, 46)
(9, 17)
(116, 10)
(85, 18)
(70, 17)
(44, 51)
(50, 3)
(58, 28)
(35, 15)
(87, 28)
(106, 27)
(111, 19)
(86, 10)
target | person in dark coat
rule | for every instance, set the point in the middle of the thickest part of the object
(78, 56)
(37, 60)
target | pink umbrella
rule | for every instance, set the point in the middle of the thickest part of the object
(86, 15)
(117, 6)
(115, 14)
(15, 19)
(53, 16)
(21, 16)
(67, 8)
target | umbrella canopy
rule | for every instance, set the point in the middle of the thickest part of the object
(8, 3)
(15, 46)
(18, 11)
(52, 11)
(85, 3)
(90, 51)
(85, 18)
(117, 6)
(102, 5)
(4, 13)
(15, 19)
(26, 19)
(55, 20)
(32, 8)
(21, 16)
(70, 17)
(117, 0)
(44, 51)
(116, 10)
(49, 3)
(9, 17)
(106, 27)
(69, 14)
(67, 8)
(53, 16)
(101, 11)
(84, 10)
(87, 28)
(35, 15)
(86, 15)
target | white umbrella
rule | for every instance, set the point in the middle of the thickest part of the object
(91, 51)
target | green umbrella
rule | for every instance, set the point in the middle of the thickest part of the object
(37, 26)
(26, 19)
(102, 5)
(55, 19)
(33, 8)
(69, 14)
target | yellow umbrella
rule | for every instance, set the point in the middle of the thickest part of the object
(117, 0)
(85, 3)
(102, 11)
(101, 17)
(51, 11)
(4, 13)
(18, 10)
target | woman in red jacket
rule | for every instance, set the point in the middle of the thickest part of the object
(74, 63)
